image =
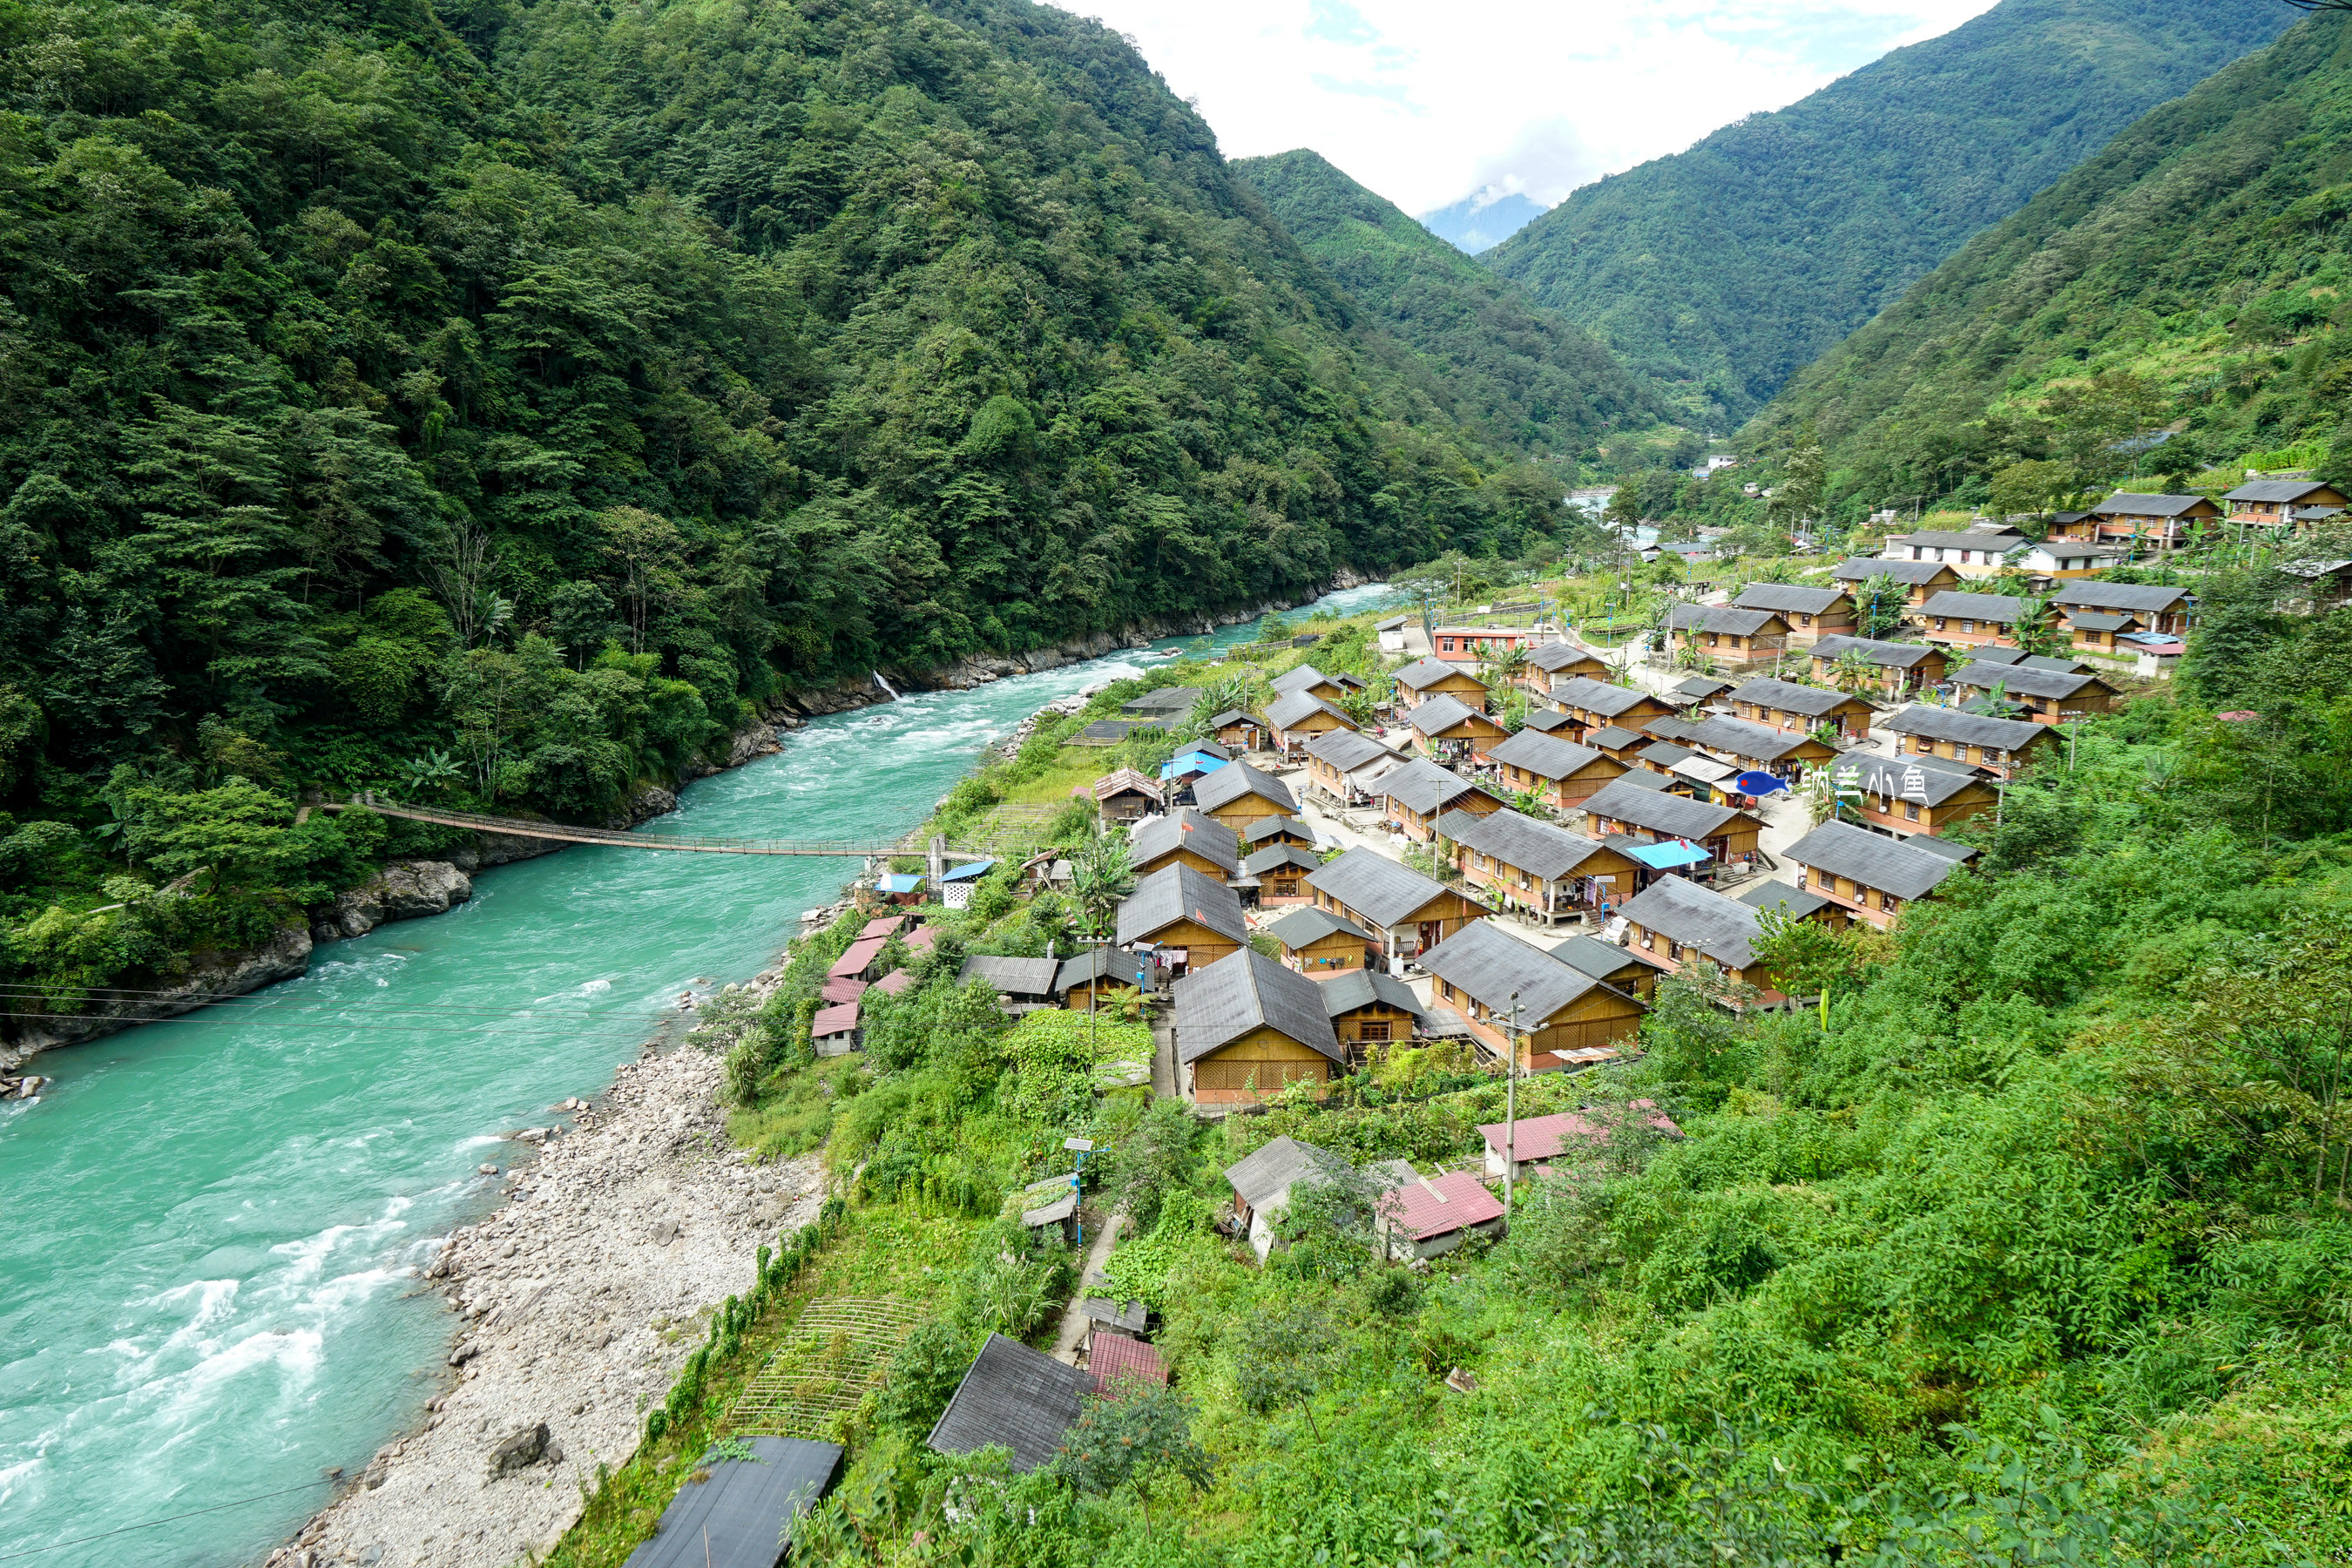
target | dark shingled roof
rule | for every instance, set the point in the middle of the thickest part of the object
(1271, 826)
(1010, 976)
(1012, 1397)
(1265, 860)
(1442, 712)
(1554, 657)
(1671, 726)
(1346, 749)
(1164, 699)
(1787, 598)
(1094, 964)
(1300, 706)
(2143, 598)
(2128, 504)
(1235, 780)
(1383, 890)
(1950, 724)
(1543, 720)
(1245, 991)
(2099, 621)
(2002, 608)
(2276, 489)
(1422, 673)
(1393, 623)
(1354, 988)
(1537, 848)
(1754, 743)
(1672, 814)
(1812, 701)
(1643, 778)
(1862, 568)
(1597, 696)
(2004, 538)
(1664, 754)
(1263, 1175)
(1299, 680)
(1481, 959)
(1699, 687)
(1615, 737)
(1779, 895)
(1546, 756)
(1685, 912)
(1891, 655)
(1230, 716)
(2025, 678)
(1601, 959)
(1301, 927)
(1422, 787)
(1885, 775)
(1872, 859)
(741, 1513)
(1185, 829)
(1176, 893)
(1722, 619)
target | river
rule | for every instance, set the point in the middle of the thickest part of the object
(206, 1285)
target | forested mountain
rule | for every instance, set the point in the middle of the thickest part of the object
(1472, 226)
(2191, 275)
(1525, 377)
(1730, 266)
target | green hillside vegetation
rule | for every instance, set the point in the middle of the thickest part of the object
(1727, 268)
(1494, 360)
(2036, 1249)
(500, 414)
(2192, 278)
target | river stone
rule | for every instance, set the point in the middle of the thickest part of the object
(405, 889)
(520, 1450)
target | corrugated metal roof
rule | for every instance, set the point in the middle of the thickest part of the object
(1300, 706)
(2000, 608)
(1489, 965)
(1354, 988)
(1443, 712)
(1301, 927)
(1546, 756)
(1012, 1397)
(1030, 977)
(1545, 1137)
(1685, 912)
(1423, 672)
(2026, 678)
(882, 925)
(1597, 696)
(1459, 1200)
(842, 988)
(1176, 893)
(855, 958)
(1787, 598)
(1346, 749)
(1911, 573)
(1676, 816)
(1245, 991)
(1871, 859)
(837, 1020)
(1263, 1175)
(1814, 701)
(740, 1513)
(1888, 654)
(1539, 849)
(896, 982)
(1424, 787)
(1235, 780)
(1383, 890)
(1185, 829)
(1112, 1361)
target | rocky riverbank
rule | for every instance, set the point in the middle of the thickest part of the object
(576, 1302)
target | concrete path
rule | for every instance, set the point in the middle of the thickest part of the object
(1074, 1322)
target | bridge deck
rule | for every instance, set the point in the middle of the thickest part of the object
(846, 848)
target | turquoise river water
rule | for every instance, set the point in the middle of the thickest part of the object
(208, 1293)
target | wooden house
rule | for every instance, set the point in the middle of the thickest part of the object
(1277, 875)
(1812, 614)
(1697, 690)
(1404, 912)
(1922, 794)
(1649, 816)
(1615, 742)
(1165, 705)
(1125, 795)
(2044, 696)
(1310, 681)
(2060, 559)
(1446, 729)
(1598, 705)
(1424, 678)
(1317, 943)
(1239, 732)
(1368, 1008)
(1345, 766)
(2148, 524)
(1558, 662)
(1786, 705)
(1759, 747)
(1417, 794)
(1546, 872)
(1295, 720)
(1524, 1005)
(1012, 1397)
(1530, 1144)
(2102, 632)
(1184, 836)
(1560, 771)
(1975, 552)
(1678, 922)
(1238, 795)
(1263, 1181)
(1726, 634)
(1896, 668)
(1101, 977)
(1268, 831)
(2160, 609)
(1921, 580)
(1190, 919)
(1869, 875)
(1628, 969)
(1966, 620)
(2001, 746)
(1246, 1028)
(1020, 983)
(2272, 504)
(1429, 1216)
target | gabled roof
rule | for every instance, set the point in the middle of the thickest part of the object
(2142, 597)
(1789, 901)
(2000, 539)
(1231, 716)
(1674, 815)
(1010, 976)
(1440, 1205)
(1164, 699)
(1788, 697)
(2025, 678)
(1685, 912)
(1788, 599)
(1889, 655)
(2030, 661)
(1545, 1137)
(1346, 749)
(856, 957)
(1263, 1175)
(896, 982)
(1178, 893)
(1301, 927)
(1890, 776)
(1872, 859)
(2003, 608)
(1721, 619)
(1185, 829)
(1554, 657)
(2276, 489)
(1597, 695)
(1699, 687)
(1281, 854)
(1862, 568)
(1950, 724)
(1480, 960)
(838, 1019)
(1299, 680)
(1121, 781)
(1383, 890)
(1271, 826)
(1245, 991)
(1394, 623)
(1614, 737)
(2128, 504)
(1422, 787)
(1546, 756)
(1235, 780)
(1013, 1397)
(2100, 621)
(1756, 743)
(1114, 1360)
(1443, 712)
(1300, 706)
(1094, 963)
(1423, 672)
(1543, 720)
(1210, 749)
(1354, 988)
(1537, 848)
(1600, 959)
(742, 1512)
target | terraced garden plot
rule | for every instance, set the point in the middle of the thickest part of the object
(834, 1354)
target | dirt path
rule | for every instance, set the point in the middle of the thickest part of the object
(1074, 1322)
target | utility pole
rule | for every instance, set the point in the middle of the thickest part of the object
(1511, 1111)
(1081, 1147)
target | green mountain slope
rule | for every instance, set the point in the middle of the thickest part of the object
(1519, 372)
(2193, 274)
(1730, 266)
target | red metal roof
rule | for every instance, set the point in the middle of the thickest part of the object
(1460, 1199)
(881, 925)
(846, 989)
(833, 1020)
(1543, 1137)
(922, 939)
(897, 980)
(854, 962)
(1115, 1358)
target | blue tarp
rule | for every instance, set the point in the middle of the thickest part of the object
(1666, 856)
(1192, 763)
(906, 883)
(967, 871)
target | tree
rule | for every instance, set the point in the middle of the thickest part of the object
(1124, 1434)
(1284, 1358)
(2037, 484)
(1824, 785)
(1879, 602)
(1852, 671)
(647, 550)
(1153, 1161)
(1805, 957)
(1101, 874)
(234, 832)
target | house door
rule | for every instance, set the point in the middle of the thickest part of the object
(1432, 933)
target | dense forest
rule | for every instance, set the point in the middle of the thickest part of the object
(2174, 305)
(1724, 269)
(501, 406)
(1518, 373)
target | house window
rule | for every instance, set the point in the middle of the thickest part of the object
(1939, 623)
(1804, 620)
(1649, 942)
(1968, 626)
(1675, 951)
(1446, 644)
(1911, 811)
(1375, 1033)
(1710, 640)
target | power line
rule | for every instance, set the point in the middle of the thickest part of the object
(151, 1524)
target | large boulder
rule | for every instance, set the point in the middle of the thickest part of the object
(520, 1450)
(403, 890)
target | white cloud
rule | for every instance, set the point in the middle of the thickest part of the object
(1426, 103)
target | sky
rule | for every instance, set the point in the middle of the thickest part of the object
(1427, 103)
